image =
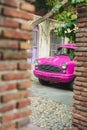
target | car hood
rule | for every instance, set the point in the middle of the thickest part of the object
(56, 60)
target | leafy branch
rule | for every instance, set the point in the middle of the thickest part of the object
(65, 13)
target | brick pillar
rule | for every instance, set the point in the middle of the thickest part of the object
(80, 86)
(15, 79)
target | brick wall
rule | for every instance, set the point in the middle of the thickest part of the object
(80, 87)
(15, 79)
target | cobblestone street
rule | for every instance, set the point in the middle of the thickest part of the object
(54, 92)
(51, 107)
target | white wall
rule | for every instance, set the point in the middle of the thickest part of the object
(44, 37)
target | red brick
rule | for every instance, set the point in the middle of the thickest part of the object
(28, 7)
(7, 108)
(81, 39)
(82, 113)
(0, 10)
(23, 103)
(79, 117)
(78, 64)
(16, 115)
(78, 73)
(82, 15)
(24, 84)
(6, 66)
(16, 76)
(84, 104)
(0, 32)
(17, 14)
(0, 56)
(24, 66)
(81, 79)
(81, 20)
(7, 87)
(8, 23)
(16, 34)
(80, 98)
(10, 126)
(17, 55)
(74, 128)
(82, 30)
(81, 127)
(81, 69)
(82, 25)
(81, 107)
(26, 26)
(23, 123)
(84, 94)
(82, 10)
(76, 102)
(14, 101)
(81, 52)
(9, 44)
(80, 88)
(77, 92)
(25, 46)
(81, 74)
(15, 96)
(81, 44)
(83, 34)
(12, 3)
(79, 122)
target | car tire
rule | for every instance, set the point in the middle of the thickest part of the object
(43, 82)
(71, 85)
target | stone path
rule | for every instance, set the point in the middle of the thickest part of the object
(51, 108)
(50, 115)
(56, 93)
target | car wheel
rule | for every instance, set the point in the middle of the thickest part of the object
(71, 85)
(43, 82)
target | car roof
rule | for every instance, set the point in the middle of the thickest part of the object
(69, 45)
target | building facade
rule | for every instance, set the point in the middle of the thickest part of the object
(45, 40)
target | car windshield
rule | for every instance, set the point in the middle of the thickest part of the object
(62, 51)
(66, 51)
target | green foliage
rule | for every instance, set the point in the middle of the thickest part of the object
(77, 1)
(51, 3)
(66, 16)
(40, 4)
(67, 30)
(67, 26)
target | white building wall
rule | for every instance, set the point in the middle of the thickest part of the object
(44, 41)
(44, 37)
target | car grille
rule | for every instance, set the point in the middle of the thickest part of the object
(50, 68)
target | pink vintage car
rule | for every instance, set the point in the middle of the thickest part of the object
(59, 68)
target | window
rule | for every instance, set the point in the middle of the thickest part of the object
(55, 41)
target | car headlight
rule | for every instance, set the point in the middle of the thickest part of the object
(36, 62)
(64, 65)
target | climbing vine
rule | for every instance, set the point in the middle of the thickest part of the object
(66, 16)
